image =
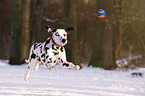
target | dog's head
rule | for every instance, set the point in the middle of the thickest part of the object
(59, 36)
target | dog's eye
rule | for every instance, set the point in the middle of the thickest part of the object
(57, 34)
(64, 35)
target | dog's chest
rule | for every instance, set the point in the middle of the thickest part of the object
(54, 50)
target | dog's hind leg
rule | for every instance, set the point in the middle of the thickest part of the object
(36, 66)
(30, 66)
(26, 77)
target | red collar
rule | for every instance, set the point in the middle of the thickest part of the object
(54, 42)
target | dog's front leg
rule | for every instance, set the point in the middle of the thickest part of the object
(66, 64)
(51, 62)
(77, 67)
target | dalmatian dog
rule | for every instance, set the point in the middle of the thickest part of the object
(50, 53)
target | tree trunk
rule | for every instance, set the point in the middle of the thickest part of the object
(37, 8)
(103, 53)
(19, 31)
(25, 44)
(15, 32)
(71, 20)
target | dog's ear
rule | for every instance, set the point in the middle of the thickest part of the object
(69, 29)
(53, 30)
(49, 29)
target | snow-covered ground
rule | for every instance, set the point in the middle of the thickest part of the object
(65, 82)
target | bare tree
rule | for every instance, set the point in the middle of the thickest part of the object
(25, 36)
(5, 21)
(103, 53)
(71, 20)
(15, 32)
(19, 31)
(37, 9)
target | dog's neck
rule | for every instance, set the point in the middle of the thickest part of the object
(54, 42)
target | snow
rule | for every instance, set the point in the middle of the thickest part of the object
(88, 81)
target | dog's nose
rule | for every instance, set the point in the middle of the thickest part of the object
(63, 40)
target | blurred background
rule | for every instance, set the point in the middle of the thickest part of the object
(118, 40)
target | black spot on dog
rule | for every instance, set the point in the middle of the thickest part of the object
(50, 60)
(46, 48)
(65, 64)
(57, 47)
(61, 49)
(33, 56)
(58, 58)
(39, 59)
(47, 42)
(61, 61)
(46, 52)
(42, 64)
(54, 61)
(46, 65)
(56, 53)
(28, 67)
(53, 47)
(43, 55)
(35, 46)
(56, 33)
(43, 60)
(47, 56)
(41, 49)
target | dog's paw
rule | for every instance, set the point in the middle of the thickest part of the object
(26, 78)
(77, 67)
(51, 68)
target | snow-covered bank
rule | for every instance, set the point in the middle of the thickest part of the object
(65, 82)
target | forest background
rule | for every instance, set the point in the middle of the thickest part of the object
(117, 38)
